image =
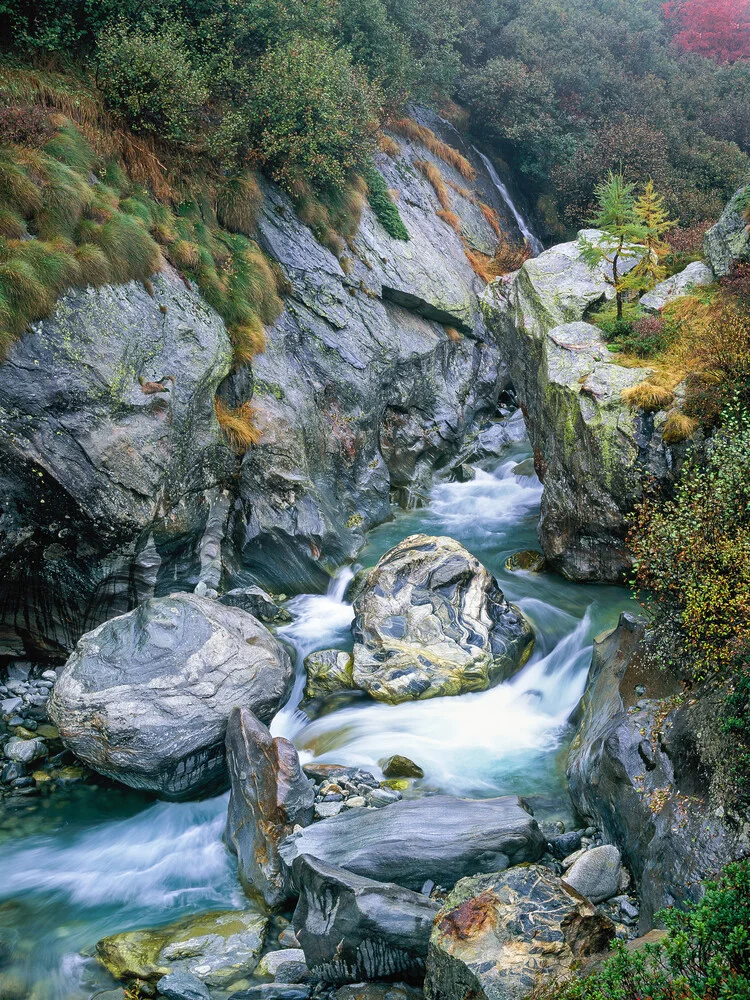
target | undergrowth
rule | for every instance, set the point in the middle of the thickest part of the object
(386, 211)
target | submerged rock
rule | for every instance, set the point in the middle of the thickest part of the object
(353, 928)
(182, 986)
(438, 838)
(729, 240)
(635, 771)
(529, 560)
(218, 948)
(499, 937)
(145, 697)
(432, 621)
(270, 795)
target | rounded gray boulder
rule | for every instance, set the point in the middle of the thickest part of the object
(145, 698)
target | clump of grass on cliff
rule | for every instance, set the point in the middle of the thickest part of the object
(385, 209)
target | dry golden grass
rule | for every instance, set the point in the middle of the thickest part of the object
(451, 219)
(452, 334)
(480, 264)
(449, 155)
(461, 190)
(647, 396)
(508, 258)
(238, 425)
(678, 427)
(388, 145)
(248, 340)
(433, 175)
(492, 218)
(237, 203)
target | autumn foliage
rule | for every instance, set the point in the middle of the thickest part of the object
(718, 29)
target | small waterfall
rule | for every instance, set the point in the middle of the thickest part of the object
(534, 244)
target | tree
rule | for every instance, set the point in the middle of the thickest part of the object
(650, 212)
(622, 235)
(718, 29)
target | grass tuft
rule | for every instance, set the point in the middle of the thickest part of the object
(647, 396)
(451, 219)
(388, 145)
(492, 218)
(237, 203)
(678, 427)
(238, 425)
(433, 175)
(420, 133)
(382, 204)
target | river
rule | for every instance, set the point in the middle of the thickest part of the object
(98, 860)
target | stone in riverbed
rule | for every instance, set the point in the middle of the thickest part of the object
(328, 671)
(440, 838)
(24, 751)
(377, 991)
(270, 795)
(218, 948)
(288, 962)
(529, 560)
(182, 986)
(145, 698)
(596, 874)
(258, 603)
(353, 928)
(432, 621)
(500, 936)
(401, 767)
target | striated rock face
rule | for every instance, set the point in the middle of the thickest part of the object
(353, 929)
(634, 770)
(439, 838)
(106, 491)
(217, 948)
(361, 390)
(145, 698)
(500, 936)
(432, 621)
(591, 452)
(270, 796)
(729, 239)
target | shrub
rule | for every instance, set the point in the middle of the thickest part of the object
(146, 76)
(705, 955)
(312, 114)
(386, 212)
(28, 125)
(648, 336)
(692, 557)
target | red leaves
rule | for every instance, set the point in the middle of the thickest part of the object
(718, 29)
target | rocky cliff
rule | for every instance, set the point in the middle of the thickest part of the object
(374, 374)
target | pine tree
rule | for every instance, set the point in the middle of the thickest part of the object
(622, 235)
(650, 211)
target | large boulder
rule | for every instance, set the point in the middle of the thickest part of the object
(218, 948)
(107, 489)
(729, 240)
(591, 452)
(432, 621)
(682, 283)
(328, 671)
(145, 698)
(635, 771)
(499, 937)
(270, 796)
(353, 929)
(439, 838)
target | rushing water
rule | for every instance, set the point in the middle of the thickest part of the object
(532, 242)
(73, 869)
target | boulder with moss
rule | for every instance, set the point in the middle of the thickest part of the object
(729, 240)
(591, 450)
(218, 948)
(431, 621)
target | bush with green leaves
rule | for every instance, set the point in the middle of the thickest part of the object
(312, 114)
(704, 956)
(385, 209)
(148, 77)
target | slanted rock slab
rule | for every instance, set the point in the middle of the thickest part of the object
(498, 937)
(693, 276)
(145, 698)
(353, 928)
(270, 795)
(432, 621)
(439, 838)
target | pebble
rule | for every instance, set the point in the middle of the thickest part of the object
(10, 705)
(325, 810)
(355, 802)
(182, 986)
(25, 750)
(379, 797)
(49, 675)
(272, 963)
(288, 939)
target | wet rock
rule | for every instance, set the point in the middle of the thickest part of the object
(24, 751)
(274, 991)
(328, 671)
(182, 986)
(440, 837)
(218, 948)
(377, 991)
(145, 697)
(353, 928)
(379, 797)
(566, 843)
(258, 603)
(401, 767)
(327, 810)
(432, 621)
(654, 807)
(729, 240)
(286, 962)
(596, 874)
(529, 560)
(103, 485)
(9, 706)
(270, 796)
(591, 452)
(499, 937)
(693, 276)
